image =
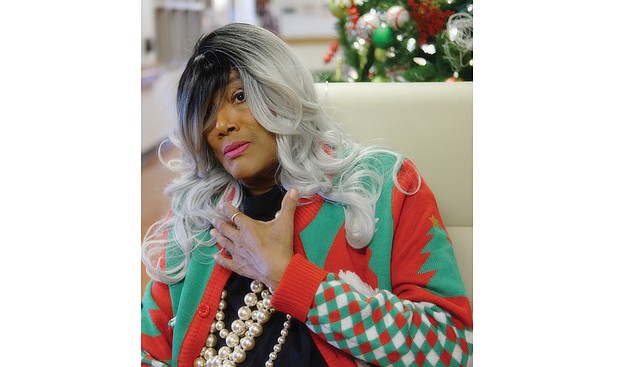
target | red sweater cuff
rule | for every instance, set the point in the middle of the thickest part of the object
(296, 290)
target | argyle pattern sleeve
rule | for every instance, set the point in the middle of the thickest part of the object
(147, 360)
(384, 330)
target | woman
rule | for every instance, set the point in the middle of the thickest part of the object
(287, 242)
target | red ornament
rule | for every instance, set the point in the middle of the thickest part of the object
(330, 53)
(354, 14)
(334, 46)
(430, 19)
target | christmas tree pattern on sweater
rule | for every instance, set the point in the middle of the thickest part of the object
(445, 279)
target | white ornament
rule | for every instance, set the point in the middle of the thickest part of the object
(460, 29)
(396, 16)
(370, 19)
(366, 24)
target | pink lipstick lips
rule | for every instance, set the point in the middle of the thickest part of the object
(233, 150)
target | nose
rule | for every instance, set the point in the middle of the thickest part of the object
(225, 121)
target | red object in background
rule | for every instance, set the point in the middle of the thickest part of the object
(430, 19)
(332, 50)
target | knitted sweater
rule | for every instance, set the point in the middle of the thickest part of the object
(398, 302)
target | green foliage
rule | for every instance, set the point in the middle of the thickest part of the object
(402, 56)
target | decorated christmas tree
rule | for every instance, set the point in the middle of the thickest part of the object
(402, 40)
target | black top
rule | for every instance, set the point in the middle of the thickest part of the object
(299, 350)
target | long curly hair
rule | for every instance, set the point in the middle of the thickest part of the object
(315, 155)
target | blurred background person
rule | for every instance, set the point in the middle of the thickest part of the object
(267, 17)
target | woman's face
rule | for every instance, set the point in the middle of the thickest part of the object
(245, 148)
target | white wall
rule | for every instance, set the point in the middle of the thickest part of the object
(305, 19)
(312, 54)
(158, 110)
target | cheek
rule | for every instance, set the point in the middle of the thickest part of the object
(272, 147)
(214, 146)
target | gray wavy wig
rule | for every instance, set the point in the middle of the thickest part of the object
(314, 154)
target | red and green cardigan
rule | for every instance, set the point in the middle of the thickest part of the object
(416, 315)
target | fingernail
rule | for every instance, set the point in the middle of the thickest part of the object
(294, 194)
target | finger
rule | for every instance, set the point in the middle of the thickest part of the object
(223, 241)
(226, 263)
(233, 214)
(225, 229)
(289, 205)
(227, 209)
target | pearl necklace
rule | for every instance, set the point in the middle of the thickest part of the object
(240, 338)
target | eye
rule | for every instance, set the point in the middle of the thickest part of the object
(239, 97)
